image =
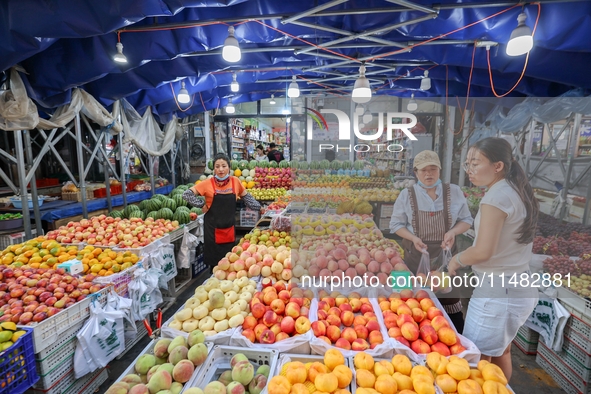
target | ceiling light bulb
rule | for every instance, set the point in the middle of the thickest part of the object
(412, 104)
(119, 56)
(230, 109)
(294, 90)
(521, 41)
(231, 51)
(288, 119)
(183, 96)
(272, 102)
(361, 89)
(426, 81)
(234, 87)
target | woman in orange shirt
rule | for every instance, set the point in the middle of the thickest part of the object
(220, 192)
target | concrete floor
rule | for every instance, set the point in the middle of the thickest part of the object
(527, 376)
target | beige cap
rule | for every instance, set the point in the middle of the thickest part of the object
(426, 158)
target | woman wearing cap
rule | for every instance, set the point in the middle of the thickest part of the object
(428, 216)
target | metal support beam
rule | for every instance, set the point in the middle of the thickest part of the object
(409, 4)
(571, 152)
(81, 173)
(122, 168)
(151, 172)
(448, 145)
(99, 144)
(312, 11)
(37, 161)
(586, 220)
(34, 196)
(8, 181)
(348, 33)
(464, 151)
(553, 146)
(56, 153)
(353, 76)
(21, 172)
(371, 32)
(106, 166)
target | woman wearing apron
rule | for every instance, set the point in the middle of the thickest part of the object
(428, 216)
(221, 192)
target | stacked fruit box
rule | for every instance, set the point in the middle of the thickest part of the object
(526, 340)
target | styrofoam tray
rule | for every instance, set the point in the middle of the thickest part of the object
(219, 361)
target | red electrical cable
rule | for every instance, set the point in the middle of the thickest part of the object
(492, 84)
(177, 103)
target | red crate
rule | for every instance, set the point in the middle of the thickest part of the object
(102, 192)
(132, 184)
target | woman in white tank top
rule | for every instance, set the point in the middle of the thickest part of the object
(505, 228)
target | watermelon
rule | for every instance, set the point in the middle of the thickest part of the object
(198, 211)
(183, 209)
(154, 204)
(165, 213)
(234, 165)
(180, 201)
(243, 164)
(142, 204)
(137, 214)
(116, 214)
(283, 164)
(129, 209)
(170, 204)
(273, 164)
(210, 164)
(181, 217)
(153, 215)
(252, 164)
(160, 197)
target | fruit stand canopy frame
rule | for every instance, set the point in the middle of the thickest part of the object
(62, 48)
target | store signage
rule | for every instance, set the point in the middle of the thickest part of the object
(345, 125)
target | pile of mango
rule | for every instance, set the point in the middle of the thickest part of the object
(9, 334)
(37, 253)
(105, 262)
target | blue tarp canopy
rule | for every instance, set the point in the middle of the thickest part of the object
(62, 45)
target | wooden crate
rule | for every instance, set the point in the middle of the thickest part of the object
(78, 196)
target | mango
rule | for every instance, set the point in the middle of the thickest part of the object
(139, 389)
(176, 342)
(17, 335)
(5, 336)
(195, 337)
(178, 353)
(144, 363)
(214, 388)
(161, 380)
(197, 354)
(161, 348)
(7, 325)
(493, 372)
(243, 372)
(176, 388)
(183, 371)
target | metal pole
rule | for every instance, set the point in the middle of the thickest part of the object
(312, 11)
(587, 204)
(529, 143)
(571, 151)
(30, 160)
(448, 145)
(21, 172)
(172, 162)
(207, 134)
(464, 152)
(102, 140)
(80, 157)
(5, 133)
(151, 164)
(122, 168)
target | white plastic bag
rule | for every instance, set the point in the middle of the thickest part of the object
(100, 340)
(163, 259)
(184, 256)
(144, 292)
(549, 318)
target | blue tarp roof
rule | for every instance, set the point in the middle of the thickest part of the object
(64, 45)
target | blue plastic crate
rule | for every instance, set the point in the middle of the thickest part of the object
(17, 365)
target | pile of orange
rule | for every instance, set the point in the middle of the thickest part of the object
(37, 253)
(105, 262)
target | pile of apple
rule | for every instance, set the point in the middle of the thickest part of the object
(347, 258)
(107, 231)
(267, 237)
(321, 224)
(240, 379)
(347, 322)
(277, 312)
(168, 369)
(32, 295)
(455, 375)
(246, 260)
(415, 321)
(332, 376)
(270, 178)
(216, 306)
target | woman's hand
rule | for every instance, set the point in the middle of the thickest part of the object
(419, 244)
(453, 266)
(205, 209)
(448, 240)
